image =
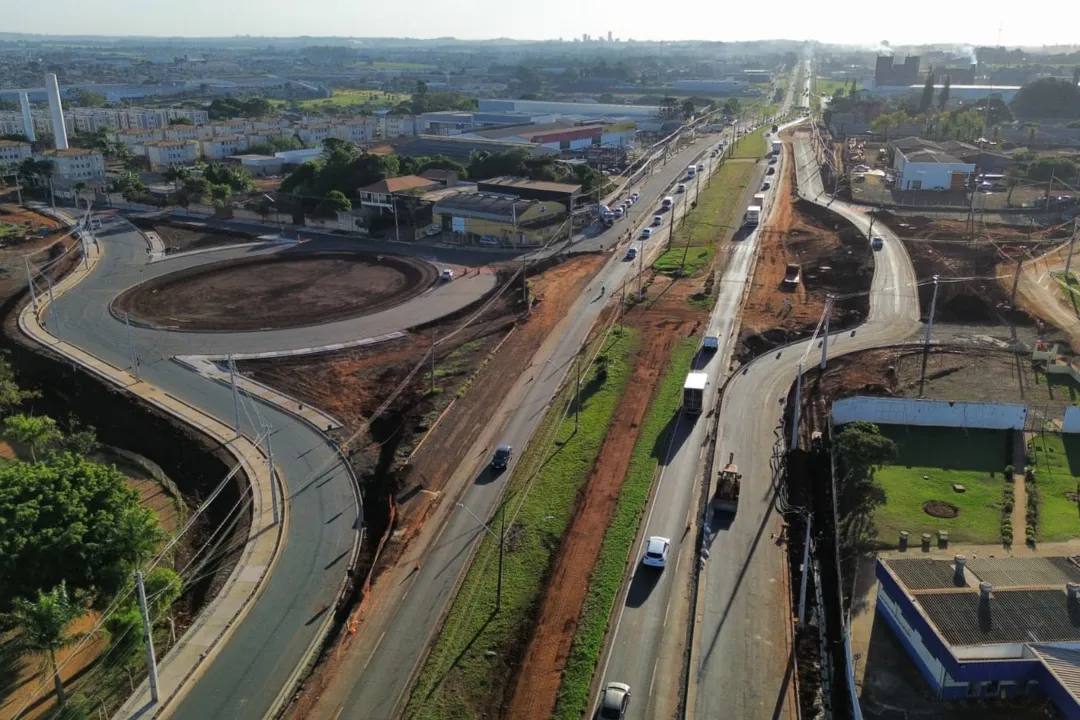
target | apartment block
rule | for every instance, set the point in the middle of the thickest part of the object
(75, 165)
(13, 152)
(164, 154)
(221, 147)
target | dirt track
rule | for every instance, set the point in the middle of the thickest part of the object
(279, 291)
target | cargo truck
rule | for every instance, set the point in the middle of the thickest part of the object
(753, 215)
(777, 147)
(727, 494)
(759, 199)
(693, 394)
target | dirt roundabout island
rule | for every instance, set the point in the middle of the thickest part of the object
(283, 290)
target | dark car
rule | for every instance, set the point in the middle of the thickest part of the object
(502, 457)
(771, 171)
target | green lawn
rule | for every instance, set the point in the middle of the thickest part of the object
(458, 680)
(607, 576)
(828, 86)
(1057, 471)
(694, 244)
(752, 145)
(349, 98)
(944, 456)
(8, 230)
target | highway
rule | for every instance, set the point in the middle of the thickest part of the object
(648, 646)
(384, 682)
(743, 666)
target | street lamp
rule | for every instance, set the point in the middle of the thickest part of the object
(502, 542)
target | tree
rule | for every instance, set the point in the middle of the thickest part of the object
(181, 121)
(235, 177)
(177, 175)
(335, 202)
(1012, 181)
(36, 432)
(943, 98)
(688, 109)
(70, 520)
(11, 395)
(669, 107)
(860, 449)
(44, 624)
(1047, 167)
(81, 97)
(927, 100)
(1047, 98)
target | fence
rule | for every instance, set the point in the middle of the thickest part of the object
(933, 413)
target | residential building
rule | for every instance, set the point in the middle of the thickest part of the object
(313, 134)
(164, 154)
(986, 629)
(380, 197)
(925, 165)
(91, 120)
(132, 137)
(228, 128)
(74, 165)
(471, 218)
(182, 132)
(359, 130)
(221, 147)
(13, 152)
(271, 122)
(396, 125)
(259, 165)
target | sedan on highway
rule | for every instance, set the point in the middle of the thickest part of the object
(631, 253)
(771, 171)
(615, 701)
(657, 220)
(502, 457)
(656, 551)
(877, 242)
(646, 233)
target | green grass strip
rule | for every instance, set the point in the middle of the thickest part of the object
(1057, 474)
(462, 678)
(752, 145)
(716, 211)
(607, 576)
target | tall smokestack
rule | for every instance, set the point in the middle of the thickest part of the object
(27, 118)
(57, 110)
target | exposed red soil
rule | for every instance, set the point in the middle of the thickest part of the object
(539, 676)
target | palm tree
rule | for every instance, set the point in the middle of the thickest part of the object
(44, 625)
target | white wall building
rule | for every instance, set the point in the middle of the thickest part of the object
(74, 165)
(163, 154)
(13, 152)
(182, 132)
(313, 134)
(90, 120)
(228, 128)
(219, 148)
(925, 169)
(397, 125)
(357, 130)
(133, 137)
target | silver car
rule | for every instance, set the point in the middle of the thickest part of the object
(615, 701)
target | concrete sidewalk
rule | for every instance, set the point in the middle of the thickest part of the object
(186, 661)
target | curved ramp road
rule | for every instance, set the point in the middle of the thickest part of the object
(743, 665)
(246, 674)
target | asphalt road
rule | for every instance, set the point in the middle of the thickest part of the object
(384, 683)
(647, 650)
(743, 665)
(324, 510)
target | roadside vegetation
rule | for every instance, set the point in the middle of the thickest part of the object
(72, 533)
(693, 246)
(751, 146)
(1055, 481)
(651, 445)
(468, 670)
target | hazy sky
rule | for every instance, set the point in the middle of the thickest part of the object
(848, 21)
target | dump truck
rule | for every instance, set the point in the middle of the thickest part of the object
(693, 393)
(727, 494)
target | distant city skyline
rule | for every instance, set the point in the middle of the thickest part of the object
(914, 22)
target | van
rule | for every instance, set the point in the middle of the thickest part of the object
(711, 343)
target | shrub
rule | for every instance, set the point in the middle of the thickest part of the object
(1007, 507)
(1009, 471)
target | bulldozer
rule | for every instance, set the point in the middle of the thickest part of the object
(727, 495)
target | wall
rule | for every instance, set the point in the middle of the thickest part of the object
(1071, 424)
(933, 413)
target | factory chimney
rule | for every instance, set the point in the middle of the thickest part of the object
(27, 118)
(52, 89)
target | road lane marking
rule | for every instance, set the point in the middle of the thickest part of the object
(653, 680)
(373, 651)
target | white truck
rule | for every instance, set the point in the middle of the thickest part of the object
(777, 147)
(691, 171)
(693, 393)
(759, 199)
(752, 216)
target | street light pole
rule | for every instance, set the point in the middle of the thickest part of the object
(502, 542)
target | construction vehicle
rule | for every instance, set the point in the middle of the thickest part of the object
(727, 494)
(792, 275)
(693, 394)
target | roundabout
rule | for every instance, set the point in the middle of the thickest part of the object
(287, 289)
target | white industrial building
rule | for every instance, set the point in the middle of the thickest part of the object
(13, 152)
(591, 110)
(925, 165)
(164, 154)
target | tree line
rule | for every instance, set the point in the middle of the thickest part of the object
(72, 533)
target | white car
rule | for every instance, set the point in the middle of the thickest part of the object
(432, 230)
(646, 233)
(615, 701)
(680, 188)
(635, 196)
(619, 212)
(657, 220)
(447, 274)
(656, 551)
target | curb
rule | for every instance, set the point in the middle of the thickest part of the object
(248, 456)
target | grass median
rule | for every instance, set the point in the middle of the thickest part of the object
(573, 699)
(751, 146)
(694, 245)
(469, 670)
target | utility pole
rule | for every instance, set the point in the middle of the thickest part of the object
(795, 415)
(235, 394)
(393, 208)
(577, 393)
(52, 303)
(971, 216)
(805, 571)
(524, 282)
(1016, 281)
(930, 320)
(502, 544)
(825, 336)
(148, 637)
(273, 471)
(1072, 241)
(432, 361)
(131, 347)
(30, 281)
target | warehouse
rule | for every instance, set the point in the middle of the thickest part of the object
(478, 218)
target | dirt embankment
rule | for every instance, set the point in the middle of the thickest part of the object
(179, 236)
(835, 259)
(471, 378)
(284, 290)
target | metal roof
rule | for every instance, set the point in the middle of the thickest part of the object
(696, 381)
(1025, 571)
(923, 573)
(1009, 616)
(1063, 662)
(518, 183)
